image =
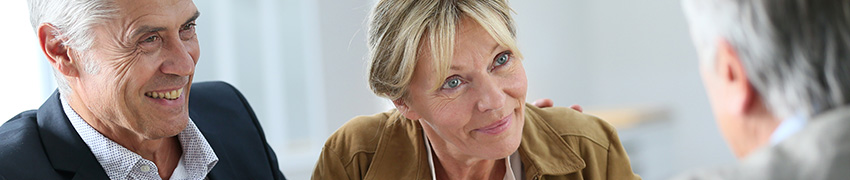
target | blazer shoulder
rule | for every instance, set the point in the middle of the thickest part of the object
(20, 145)
(361, 134)
(213, 89)
(218, 97)
(568, 122)
(227, 121)
(18, 130)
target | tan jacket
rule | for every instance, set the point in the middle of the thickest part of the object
(557, 143)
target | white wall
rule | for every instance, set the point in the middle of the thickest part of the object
(24, 86)
(343, 36)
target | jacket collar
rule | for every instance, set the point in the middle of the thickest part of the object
(64, 147)
(401, 152)
(68, 152)
(543, 151)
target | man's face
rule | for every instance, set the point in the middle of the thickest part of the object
(741, 116)
(145, 58)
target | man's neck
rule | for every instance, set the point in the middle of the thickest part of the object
(761, 124)
(164, 152)
(167, 158)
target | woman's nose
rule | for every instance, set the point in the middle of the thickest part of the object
(491, 95)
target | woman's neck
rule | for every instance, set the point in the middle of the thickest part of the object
(450, 163)
(449, 168)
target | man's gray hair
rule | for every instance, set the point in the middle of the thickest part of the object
(73, 20)
(796, 53)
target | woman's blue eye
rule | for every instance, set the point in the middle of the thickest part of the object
(502, 59)
(452, 83)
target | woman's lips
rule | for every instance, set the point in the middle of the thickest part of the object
(498, 126)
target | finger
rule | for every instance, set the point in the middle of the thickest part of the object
(542, 103)
(576, 107)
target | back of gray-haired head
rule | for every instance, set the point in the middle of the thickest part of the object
(73, 19)
(795, 52)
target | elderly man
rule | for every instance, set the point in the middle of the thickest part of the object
(123, 109)
(777, 73)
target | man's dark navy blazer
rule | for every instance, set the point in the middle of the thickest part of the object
(42, 144)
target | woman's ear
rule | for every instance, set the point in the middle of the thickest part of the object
(55, 50)
(405, 110)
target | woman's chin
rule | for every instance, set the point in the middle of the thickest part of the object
(500, 153)
(502, 150)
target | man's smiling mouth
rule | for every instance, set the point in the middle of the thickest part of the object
(170, 95)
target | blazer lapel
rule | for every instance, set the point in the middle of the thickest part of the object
(221, 170)
(64, 147)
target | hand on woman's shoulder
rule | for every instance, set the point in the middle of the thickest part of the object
(570, 122)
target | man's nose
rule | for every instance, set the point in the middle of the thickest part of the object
(178, 59)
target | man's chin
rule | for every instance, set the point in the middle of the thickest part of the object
(167, 128)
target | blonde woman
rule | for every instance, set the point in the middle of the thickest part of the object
(455, 75)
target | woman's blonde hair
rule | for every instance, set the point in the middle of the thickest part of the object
(397, 28)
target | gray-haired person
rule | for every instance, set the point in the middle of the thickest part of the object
(777, 73)
(123, 110)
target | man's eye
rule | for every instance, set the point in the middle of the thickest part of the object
(187, 32)
(150, 39)
(502, 58)
(452, 83)
(189, 26)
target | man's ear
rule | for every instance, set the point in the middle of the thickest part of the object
(733, 76)
(405, 110)
(56, 52)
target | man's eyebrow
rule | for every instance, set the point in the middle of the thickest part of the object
(148, 29)
(193, 18)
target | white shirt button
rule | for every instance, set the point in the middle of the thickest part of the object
(145, 168)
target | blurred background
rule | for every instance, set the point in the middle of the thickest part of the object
(302, 66)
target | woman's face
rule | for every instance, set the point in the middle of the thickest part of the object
(477, 113)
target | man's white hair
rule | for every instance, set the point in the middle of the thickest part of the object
(73, 20)
(796, 53)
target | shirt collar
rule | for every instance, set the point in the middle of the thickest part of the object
(118, 162)
(788, 127)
